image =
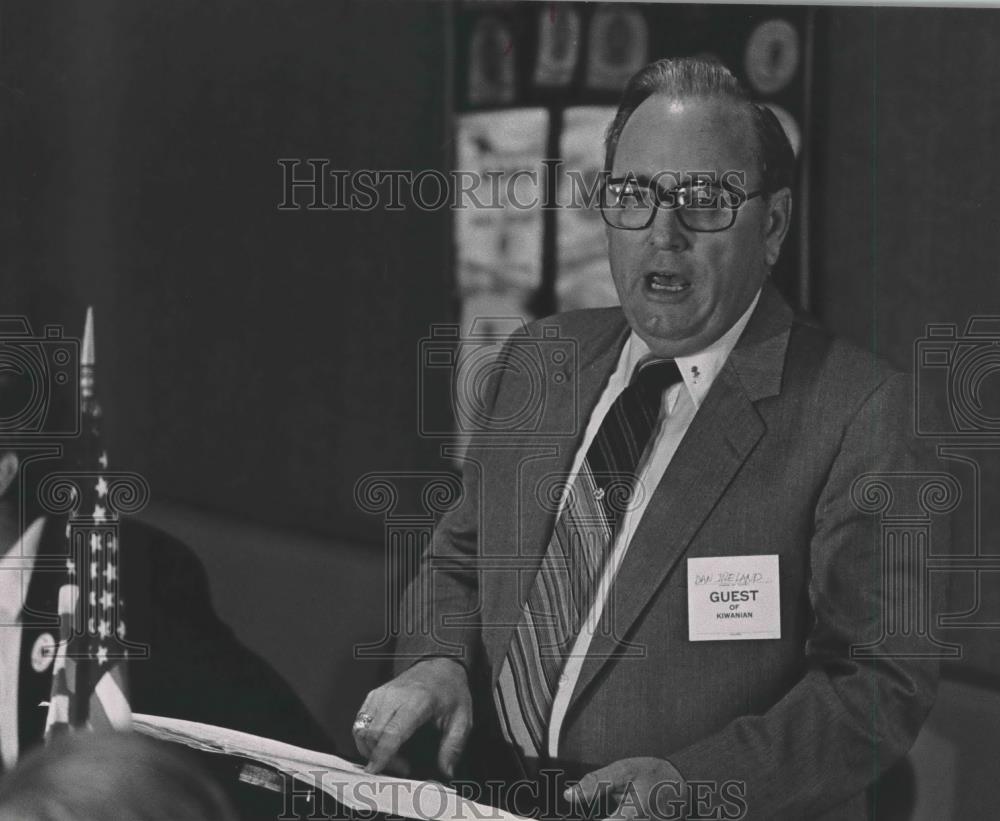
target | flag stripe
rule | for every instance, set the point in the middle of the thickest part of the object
(110, 698)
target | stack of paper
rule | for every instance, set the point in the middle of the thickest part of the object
(346, 782)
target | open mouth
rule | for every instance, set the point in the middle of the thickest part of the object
(666, 283)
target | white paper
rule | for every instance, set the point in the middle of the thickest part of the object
(733, 597)
(345, 781)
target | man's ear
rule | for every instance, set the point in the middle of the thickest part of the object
(9, 465)
(779, 219)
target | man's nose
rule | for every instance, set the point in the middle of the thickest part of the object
(667, 232)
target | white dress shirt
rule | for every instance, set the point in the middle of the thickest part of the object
(16, 566)
(680, 403)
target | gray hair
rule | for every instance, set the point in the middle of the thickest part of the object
(691, 77)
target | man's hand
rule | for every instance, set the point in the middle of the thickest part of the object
(641, 788)
(433, 691)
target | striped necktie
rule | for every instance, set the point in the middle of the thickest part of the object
(581, 542)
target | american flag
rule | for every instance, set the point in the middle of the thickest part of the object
(89, 687)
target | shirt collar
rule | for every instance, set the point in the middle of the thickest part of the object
(698, 370)
(15, 570)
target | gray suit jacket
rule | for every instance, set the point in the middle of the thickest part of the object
(766, 467)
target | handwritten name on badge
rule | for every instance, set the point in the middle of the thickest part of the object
(733, 597)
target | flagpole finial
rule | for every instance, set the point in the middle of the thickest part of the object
(87, 357)
(87, 353)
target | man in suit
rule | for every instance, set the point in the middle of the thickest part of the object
(742, 430)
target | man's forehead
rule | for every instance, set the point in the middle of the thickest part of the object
(667, 134)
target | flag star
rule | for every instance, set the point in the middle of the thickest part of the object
(93, 599)
(109, 573)
(102, 655)
(112, 544)
(107, 599)
(121, 630)
(70, 566)
(101, 487)
(100, 514)
(103, 461)
(93, 570)
(95, 542)
(103, 629)
(90, 625)
(68, 530)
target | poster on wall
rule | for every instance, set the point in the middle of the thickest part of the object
(772, 56)
(558, 45)
(491, 64)
(618, 47)
(498, 224)
(584, 277)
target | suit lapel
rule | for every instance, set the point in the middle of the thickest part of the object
(597, 357)
(722, 435)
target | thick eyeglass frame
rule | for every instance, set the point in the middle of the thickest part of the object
(667, 199)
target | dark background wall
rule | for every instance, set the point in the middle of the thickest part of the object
(908, 233)
(251, 360)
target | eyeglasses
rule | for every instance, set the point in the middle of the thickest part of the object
(629, 204)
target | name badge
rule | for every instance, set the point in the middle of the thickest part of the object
(733, 597)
